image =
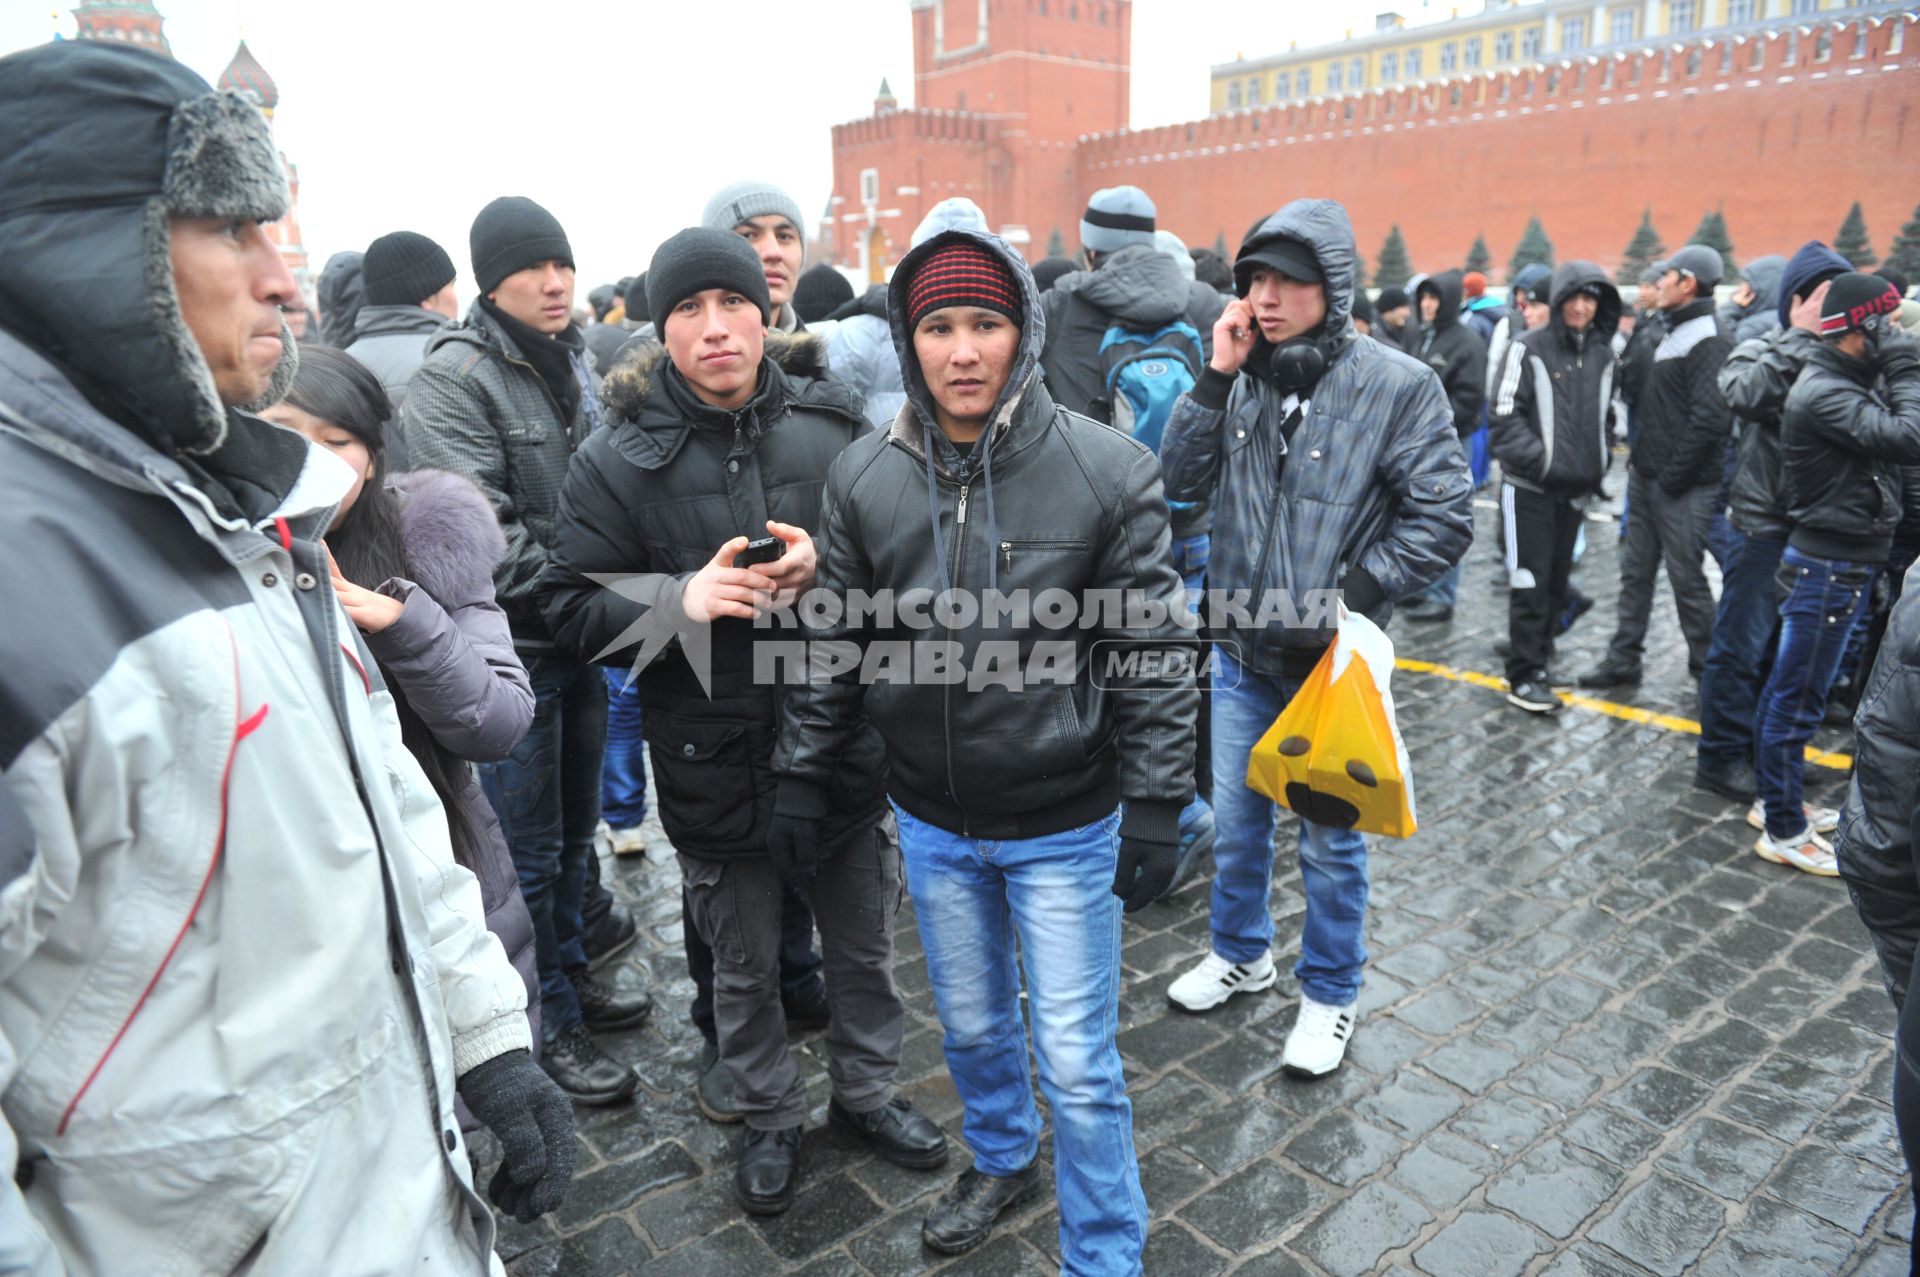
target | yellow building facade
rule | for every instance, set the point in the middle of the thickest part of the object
(1505, 33)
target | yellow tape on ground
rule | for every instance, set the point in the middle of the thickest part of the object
(1627, 713)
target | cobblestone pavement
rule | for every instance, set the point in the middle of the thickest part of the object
(1600, 1038)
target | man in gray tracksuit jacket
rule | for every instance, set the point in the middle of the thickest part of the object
(242, 977)
(1333, 464)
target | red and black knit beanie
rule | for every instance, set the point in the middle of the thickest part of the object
(963, 275)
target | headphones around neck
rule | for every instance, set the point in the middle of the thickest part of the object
(1296, 364)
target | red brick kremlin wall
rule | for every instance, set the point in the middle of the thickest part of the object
(1781, 145)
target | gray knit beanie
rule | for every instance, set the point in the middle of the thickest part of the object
(744, 201)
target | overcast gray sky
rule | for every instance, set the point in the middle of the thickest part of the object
(621, 116)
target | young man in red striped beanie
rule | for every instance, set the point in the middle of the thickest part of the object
(1039, 790)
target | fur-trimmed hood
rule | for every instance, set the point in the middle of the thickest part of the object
(85, 236)
(649, 403)
(452, 536)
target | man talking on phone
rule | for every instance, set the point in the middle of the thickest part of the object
(718, 438)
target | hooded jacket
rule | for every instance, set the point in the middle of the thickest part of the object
(1759, 316)
(1553, 399)
(451, 655)
(478, 408)
(1844, 438)
(1684, 423)
(651, 498)
(1374, 480)
(1451, 349)
(1046, 500)
(861, 354)
(1876, 844)
(240, 971)
(341, 293)
(1514, 322)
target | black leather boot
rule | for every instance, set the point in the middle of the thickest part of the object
(715, 1093)
(769, 1170)
(896, 1131)
(609, 936)
(604, 1006)
(964, 1215)
(586, 1073)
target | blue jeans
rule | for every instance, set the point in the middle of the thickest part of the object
(1824, 600)
(623, 776)
(1333, 862)
(1054, 895)
(547, 796)
(1742, 631)
(1444, 591)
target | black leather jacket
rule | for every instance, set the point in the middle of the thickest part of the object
(1684, 424)
(1047, 501)
(1844, 438)
(1755, 380)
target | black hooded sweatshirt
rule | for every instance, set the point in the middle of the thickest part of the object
(1451, 349)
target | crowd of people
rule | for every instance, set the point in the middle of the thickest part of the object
(367, 641)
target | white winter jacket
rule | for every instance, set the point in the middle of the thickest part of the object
(239, 968)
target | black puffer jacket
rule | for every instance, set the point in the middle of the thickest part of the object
(1451, 349)
(1844, 438)
(1684, 422)
(1048, 500)
(1553, 396)
(652, 497)
(1755, 380)
(1876, 845)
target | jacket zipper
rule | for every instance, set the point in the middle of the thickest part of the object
(946, 689)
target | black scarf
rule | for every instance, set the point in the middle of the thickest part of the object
(551, 357)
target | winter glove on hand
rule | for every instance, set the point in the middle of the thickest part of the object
(533, 1120)
(800, 808)
(1360, 592)
(1149, 852)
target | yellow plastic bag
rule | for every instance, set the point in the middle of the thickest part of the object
(1335, 755)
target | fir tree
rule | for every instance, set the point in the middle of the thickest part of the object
(1393, 268)
(1056, 245)
(1643, 250)
(1534, 247)
(1904, 256)
(1712, 232)
(1478, 258)
(1359, 269)
(1851, 243)
(1220, 248)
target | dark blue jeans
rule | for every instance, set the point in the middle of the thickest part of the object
(623, 776)
(1824, 598)
(1743, 628)
(547, 796)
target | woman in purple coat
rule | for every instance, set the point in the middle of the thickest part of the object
(425, 544)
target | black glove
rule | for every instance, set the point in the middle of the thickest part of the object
(1149, 852)
(1899, 354)
(800, 808)
(515, 1099)
(1360, 592)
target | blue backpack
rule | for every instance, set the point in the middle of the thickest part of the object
(1144, 373)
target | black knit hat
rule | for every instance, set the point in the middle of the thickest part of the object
(404, 268)
(1391, 299)
(635, 297)
(1858, 303)
(700, 258)
(511, 234)
(821, 290)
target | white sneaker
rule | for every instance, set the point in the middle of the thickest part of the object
(628, 842)
(1822, 820)
(1215, 980)
(1807, 850)
(1318, 1041)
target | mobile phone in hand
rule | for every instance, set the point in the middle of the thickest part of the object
(762, 550)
